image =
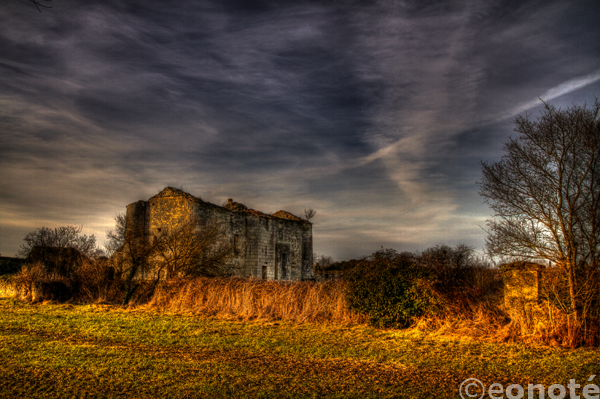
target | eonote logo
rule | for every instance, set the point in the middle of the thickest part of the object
(472, 388)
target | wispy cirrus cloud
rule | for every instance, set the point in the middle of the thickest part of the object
(374, 114)
(560, 90)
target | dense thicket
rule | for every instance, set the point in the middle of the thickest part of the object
(61, 250)
(390, 291)
(395, 289)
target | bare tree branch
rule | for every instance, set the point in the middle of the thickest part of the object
(309, 214)
(189, 248)
(38, 4)
(545, 194)
(116, 235)
(60, 249)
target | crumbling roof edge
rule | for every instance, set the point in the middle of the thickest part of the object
(176, 192)
(281, 214)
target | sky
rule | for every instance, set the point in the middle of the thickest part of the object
(376, 114)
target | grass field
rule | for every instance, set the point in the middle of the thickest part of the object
(58, 350)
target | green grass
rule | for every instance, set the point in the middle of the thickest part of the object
(54, 350)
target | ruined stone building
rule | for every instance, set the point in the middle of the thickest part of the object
(274, 247)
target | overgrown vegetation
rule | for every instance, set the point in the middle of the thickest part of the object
(442, 291)
(61, 250)
(437, 289)
(545, 194)
(391, 291)
(189, 248)
(93, 281)
(64, 264)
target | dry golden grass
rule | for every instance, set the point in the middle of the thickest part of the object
(248, 299)
(471, 313)
(476, 312)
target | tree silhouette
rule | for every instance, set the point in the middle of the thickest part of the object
(545, 194)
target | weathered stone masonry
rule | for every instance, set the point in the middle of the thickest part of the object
(274, 247)
(526, 289)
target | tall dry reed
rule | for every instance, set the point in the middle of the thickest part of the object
(247, 299)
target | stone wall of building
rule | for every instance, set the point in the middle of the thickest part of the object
(274, 247)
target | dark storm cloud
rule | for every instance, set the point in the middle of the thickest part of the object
(374, 113)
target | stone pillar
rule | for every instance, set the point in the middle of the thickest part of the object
(522, 291)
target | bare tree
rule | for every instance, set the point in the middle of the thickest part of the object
(322, 261)
(116, 235)
(446, 257)
(309, 214)
(545, 194)
(186, 249)
(132, 261)
(60, 249)
(61, 237)
(455, 267)
(193, 249)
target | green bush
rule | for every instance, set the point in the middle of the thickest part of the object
(390, 291)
